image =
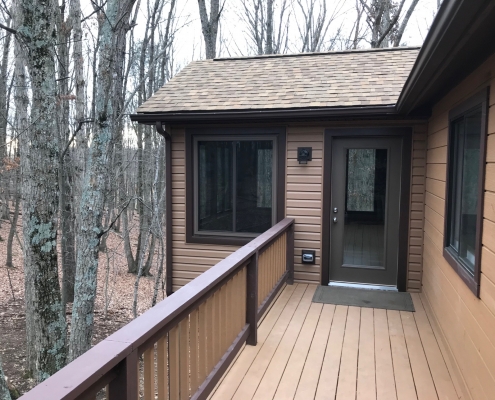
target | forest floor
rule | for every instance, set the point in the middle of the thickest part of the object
(116, 297)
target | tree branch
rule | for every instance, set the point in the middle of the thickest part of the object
(390, 26)
(81, 123)
(103, 232)
(8, 29)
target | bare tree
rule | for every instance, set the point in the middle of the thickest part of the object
(383, 20)
(66, 206)
(404, 22)
(113, 30)
(15, 216)
(4, 110)
(315, 24)
(209, 25)
(356, 30)
(268, 25)
(40, 151)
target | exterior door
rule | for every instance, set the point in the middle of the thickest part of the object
(365, 210)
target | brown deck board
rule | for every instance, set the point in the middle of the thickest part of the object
(385, 380)
(346, 389)
(290, 379)
(404, 382)
(327, 385)
(311, 372)
(268, 386)
(309, 350)
(366, 381)
(441, 376)
(253, 377)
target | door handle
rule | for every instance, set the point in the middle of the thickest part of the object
(334, 220)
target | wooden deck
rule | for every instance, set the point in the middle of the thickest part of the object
(308, 350)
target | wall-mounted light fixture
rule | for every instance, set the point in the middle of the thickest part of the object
(304, 154)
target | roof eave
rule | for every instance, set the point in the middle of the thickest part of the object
(452, 49)
(270, 115)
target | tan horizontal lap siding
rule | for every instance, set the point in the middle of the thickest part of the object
(189, 260)
(467, 322)
(304, 198)
(304, 185)
(416, 209)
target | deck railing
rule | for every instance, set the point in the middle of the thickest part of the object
(180, 348)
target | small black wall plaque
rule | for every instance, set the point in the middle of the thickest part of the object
(304, 154)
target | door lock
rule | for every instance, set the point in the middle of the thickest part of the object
(335, 210)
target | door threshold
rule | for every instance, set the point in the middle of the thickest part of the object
(366, 286)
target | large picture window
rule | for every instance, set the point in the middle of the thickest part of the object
(234, 181)
(467, 139)
(234, 192)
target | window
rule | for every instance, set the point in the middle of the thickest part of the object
(464, 204)
(234, 184)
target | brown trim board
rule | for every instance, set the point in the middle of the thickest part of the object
(168, 207)
(279, 132)
(348, 132)
(277, 116)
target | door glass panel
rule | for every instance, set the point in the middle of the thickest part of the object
(360, 179)
(365, 205)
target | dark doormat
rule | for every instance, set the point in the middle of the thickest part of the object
(400, 301)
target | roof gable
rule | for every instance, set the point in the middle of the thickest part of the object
(337, 79)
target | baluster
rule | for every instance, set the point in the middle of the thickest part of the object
(125, 385)
(252, 300)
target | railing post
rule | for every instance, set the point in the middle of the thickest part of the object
(290, 255)
(125, 386)
(252, 300)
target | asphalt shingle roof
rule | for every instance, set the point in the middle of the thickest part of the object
(338, 79)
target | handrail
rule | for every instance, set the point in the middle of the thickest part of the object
(114, 362)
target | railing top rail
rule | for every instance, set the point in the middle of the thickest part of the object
(86, 370)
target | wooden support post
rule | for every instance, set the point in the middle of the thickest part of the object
(125, 386)
(290, 255)
(252, 300)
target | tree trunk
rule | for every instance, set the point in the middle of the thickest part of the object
(209, 25)
(114, 28)
(21, 101)
(15, 217)
(67, 217)
(67, 228)
(4, 187)
(269, 27)
(40, 189)
(405, 21)
(4, 390)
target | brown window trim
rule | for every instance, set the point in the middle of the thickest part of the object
(472, 281)
(191, 133)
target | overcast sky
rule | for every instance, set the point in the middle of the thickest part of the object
(189, 40)
(189, 43)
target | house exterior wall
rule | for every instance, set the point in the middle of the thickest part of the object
(467, 322)
(189, 260)
(304, 190)
(303, 193)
